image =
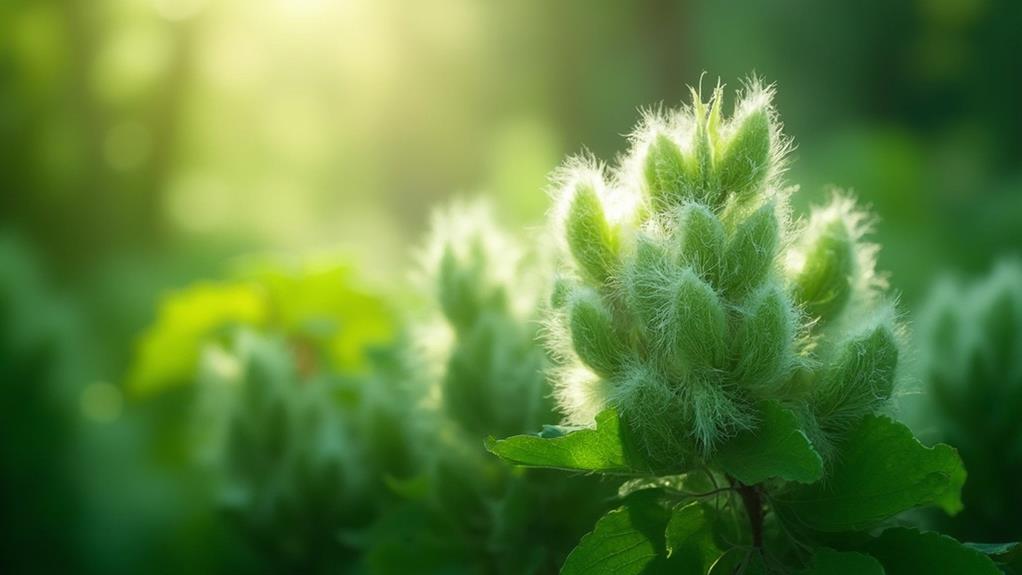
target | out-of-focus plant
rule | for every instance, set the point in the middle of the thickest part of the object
(970, 339)
(38, 499)
(297, 411)
(736, 364)
(316, 304)
(484, 373)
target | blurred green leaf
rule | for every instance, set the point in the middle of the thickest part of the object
(904, 551)
(168, 352)
(829, 562)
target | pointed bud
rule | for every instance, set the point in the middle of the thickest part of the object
(669, 180)
(744, 162)
(593, 335)
(699, 322)
(750, 252)
(764, 345)
(590, 238)
(704, 142)
(702, 241)
(647, 282)
(860, 378)
(459, 298)
(824, 284)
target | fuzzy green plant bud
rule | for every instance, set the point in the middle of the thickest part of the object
(482, 355)
(696, 298)
(459, 289)
(668, 177)
(747, 154)
(647, 281)
(594, 336)
(764, 345)
(589, 235)
(702, 241)
(699, 323)
(829, 261)
(860, 378)
(750, 253)
(284, 452)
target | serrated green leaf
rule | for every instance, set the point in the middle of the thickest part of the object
(829, 562)
(880, 471)
(904, 551)
(605, 449)
(690, 544)
(628, 540)
(777, 448)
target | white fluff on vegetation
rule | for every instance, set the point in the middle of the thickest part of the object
(686, 295)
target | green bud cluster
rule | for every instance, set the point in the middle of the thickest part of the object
(492, 378)
(687, 296)
(970, 340)
(483, 370)
(299, 456)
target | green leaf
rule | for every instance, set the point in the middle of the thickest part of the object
(628, 540)
(829, 562)
(169, 350)
(690, 544)
(904, 551)
(777, 448)
(744, 560)
(999, 552)
(880, 471)
(605, 449)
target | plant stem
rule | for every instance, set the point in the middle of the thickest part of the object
(753, 500)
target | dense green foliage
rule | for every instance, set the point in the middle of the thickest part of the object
(970, 339)
(39, 352)
(738, 363)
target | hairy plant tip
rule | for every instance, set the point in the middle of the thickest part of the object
(483, 367)
(833, 269)
(701, 300)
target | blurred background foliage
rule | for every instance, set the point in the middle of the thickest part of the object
(148, 148)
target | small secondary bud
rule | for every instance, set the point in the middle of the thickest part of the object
(750, 252)
(593, 334)
(861, 377)
(589, 235)
(824, 283)
(702, 241)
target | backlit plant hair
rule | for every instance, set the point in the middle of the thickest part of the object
(688, 296)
